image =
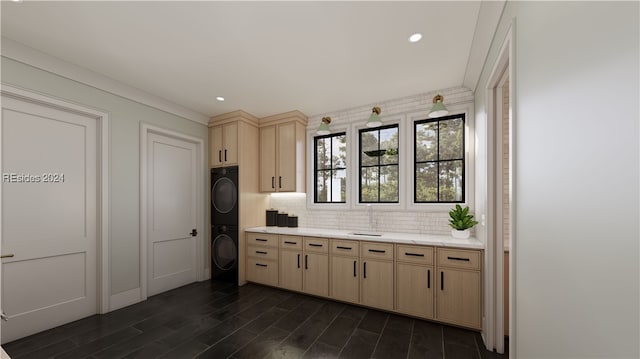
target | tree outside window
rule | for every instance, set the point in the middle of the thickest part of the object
(439, 160)
(330, 168)
(378, 160)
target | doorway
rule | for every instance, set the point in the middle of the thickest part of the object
(172, 210)
(54, 226)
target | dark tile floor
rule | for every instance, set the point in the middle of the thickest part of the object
(217, 320)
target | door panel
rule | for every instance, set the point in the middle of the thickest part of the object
(377, 284)
(414, 286)
(215, 147)
(345, 282)
(286, 181)
(291, 269)
(49, 217)
(268, 159)
(172, 213)
(316, 274)
(230, 150)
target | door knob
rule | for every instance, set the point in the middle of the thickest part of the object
(4, 317)
(7, 255)
(194, 232)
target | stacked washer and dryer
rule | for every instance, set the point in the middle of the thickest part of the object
(224, 224)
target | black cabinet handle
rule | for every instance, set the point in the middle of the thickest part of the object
(273, 183)
(261, 265)
(261, 240)
(441, 280)
(377, 251)
(287, 242)
(225, 155)
(279, 181)
(306, 261)
(315, 245)
(341, 247)
(414, 254)
(458, 259)
(354, 268)
(261, 252)
(298, 261)
(220, 156)
(428, 278)
(365, 270)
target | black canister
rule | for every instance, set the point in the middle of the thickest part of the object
(272, 217)
(293, 221)
(283, 220)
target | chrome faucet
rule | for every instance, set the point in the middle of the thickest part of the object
(371, 224)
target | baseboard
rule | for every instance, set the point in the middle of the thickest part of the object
(124, 299)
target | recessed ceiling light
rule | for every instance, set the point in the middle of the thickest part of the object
(220, 98)
(16, 0)
(415, 37)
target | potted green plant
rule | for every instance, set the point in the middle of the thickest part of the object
(461, 222)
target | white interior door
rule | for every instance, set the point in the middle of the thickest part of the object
(171, 213)
(49, 197)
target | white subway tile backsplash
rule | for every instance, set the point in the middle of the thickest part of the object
(358, 220)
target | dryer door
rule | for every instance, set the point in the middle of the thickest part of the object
(224, 252)
(224, 195)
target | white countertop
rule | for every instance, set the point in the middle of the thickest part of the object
(389, 237)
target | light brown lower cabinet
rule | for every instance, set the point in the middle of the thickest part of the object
(291, 269)
(459, 287)
(377, 284)
(414, 289)
(440, 283)
(345, 280)
(262, 271)
(316, 274)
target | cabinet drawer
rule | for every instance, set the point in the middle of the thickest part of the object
(414, 254)
(459, 258)
(312, 244)
(262, 252)
(292, 242)
(262, 271)
(377, 250)
(347, 248)
(262, 239)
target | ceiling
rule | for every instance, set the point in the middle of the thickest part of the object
(263, 57)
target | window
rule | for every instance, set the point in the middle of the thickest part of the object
(439, 160)
(378, 157)
(330, 168)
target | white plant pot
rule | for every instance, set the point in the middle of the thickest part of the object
(464, 234)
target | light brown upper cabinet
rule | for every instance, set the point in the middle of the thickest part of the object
(282, 152)
(224, 145)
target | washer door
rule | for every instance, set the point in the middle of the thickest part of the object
(224, 195)
(225, 252)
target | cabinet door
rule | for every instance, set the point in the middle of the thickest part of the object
(230, 148)
(316, 274)
(345, 283)
(262, 271)
(414, 289)
(286, 170)
(268, 159)
(215, 146)
(290, 267)
(459, 297)
(377, 284)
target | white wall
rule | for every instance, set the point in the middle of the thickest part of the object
(126, 116)
(577, 183)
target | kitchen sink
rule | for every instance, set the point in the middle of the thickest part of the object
(366, 234)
